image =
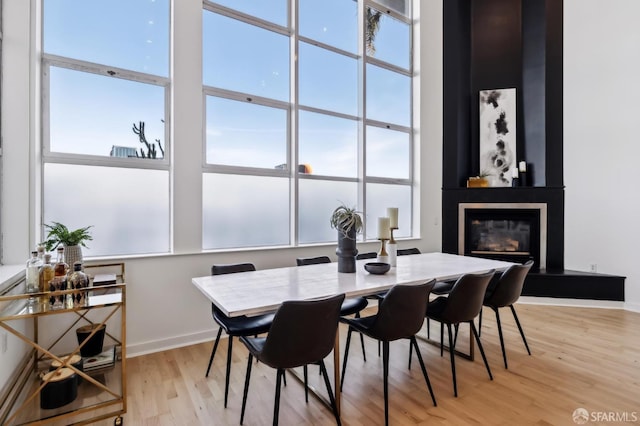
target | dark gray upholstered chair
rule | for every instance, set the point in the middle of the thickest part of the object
(400, 316)
(505, 293)
(303, 332)
(235, 326)
(367, 255)
(407, 251)
(350, 306)
(461, 306)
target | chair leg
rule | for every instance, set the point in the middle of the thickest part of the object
(455, 334)
(428, 329)
(332, 400)
(213, 352)
(247, 377)
(226, 381)
(453, 361)
(364, 354)
(385, 379)
(276, 403)
(515, 316)
(306, 383)
(346, 356)
(414, 343)
(504, 352)
(480, 322)
(441, 339)
(378, 348)
(410, 352)
(484, 357)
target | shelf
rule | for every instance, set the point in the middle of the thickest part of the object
(90, 401)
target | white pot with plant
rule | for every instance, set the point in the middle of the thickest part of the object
(348, 222)
(72, 241)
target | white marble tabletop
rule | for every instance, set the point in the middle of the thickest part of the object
(252, 293)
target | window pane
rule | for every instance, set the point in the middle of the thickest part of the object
(388, 39)
(244, 211)
(400, 6)
(92, 114)
(387, 153)
(245, 134)
(318, 199)
(327, 80)
(244, 58)
(128, 208)
(381, 196)
(388, 96)
(122, 33)
(333, 22)
(270, 10)
(329, 145)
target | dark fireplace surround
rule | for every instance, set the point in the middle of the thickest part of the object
(542, 207)
(494, 44)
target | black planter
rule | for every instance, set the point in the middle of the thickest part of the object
(347, 251)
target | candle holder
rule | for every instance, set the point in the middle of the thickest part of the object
(392, 248)
(383, 256)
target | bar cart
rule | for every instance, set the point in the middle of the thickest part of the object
(48, 324)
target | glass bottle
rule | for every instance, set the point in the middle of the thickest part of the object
(46, 275)
(33, 275)
(78, 280)
(40, 250)
(61, 269)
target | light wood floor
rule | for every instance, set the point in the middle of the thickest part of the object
(581, 358)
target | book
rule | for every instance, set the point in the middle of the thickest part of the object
(104, 279)
(106, 358)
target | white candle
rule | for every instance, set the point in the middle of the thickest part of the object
(383, 228)
(514, 173)
(392, 212)
(522, 166)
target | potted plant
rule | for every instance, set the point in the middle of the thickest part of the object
(348, 222)
(72, 241)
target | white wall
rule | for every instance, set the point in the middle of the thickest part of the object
(602, 138)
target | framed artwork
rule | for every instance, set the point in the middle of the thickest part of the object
(498, 136)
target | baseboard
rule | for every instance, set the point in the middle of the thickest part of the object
(633, 307)
(583, 303)
(138, 349)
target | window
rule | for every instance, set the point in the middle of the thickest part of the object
(1, 174)
(300, 119)
(105, 77)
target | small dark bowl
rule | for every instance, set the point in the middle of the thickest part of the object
(377, 268)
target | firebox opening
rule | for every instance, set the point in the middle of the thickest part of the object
(512, 232)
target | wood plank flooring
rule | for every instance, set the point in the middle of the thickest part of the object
(581, 358)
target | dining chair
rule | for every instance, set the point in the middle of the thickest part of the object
(350, 306)
(408, 251)
(462, 305)
(505, 293)
(235, 326)
(303, 332)
(400, 315)
(367, 255)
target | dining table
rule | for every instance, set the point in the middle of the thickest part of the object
(263, 291)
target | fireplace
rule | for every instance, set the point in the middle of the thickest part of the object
(515, 232)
